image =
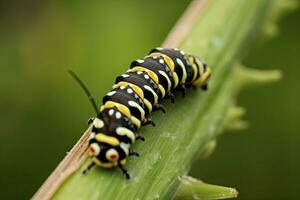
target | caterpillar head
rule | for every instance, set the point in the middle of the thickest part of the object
(104, 155)
(105, 148)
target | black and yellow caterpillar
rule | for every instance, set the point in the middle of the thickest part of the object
(134, 95)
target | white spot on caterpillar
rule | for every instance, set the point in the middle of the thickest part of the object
(118, 115)
(134, 104)
(161, 61)
(124, 75)
(184, 75)
(112, 154)
(95, 148)
(111, 112)
(153, 93)
(146, 76)
(159, 48)
(125, 147)
(98, 123)
(129, 91)
(111, 93)
(92, 135)
(168, 80)
(124, 131)
(140, 61)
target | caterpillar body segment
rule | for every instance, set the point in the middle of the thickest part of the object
(147, 85)
(135, 94)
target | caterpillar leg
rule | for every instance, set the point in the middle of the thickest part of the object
(182, 89)
(160, 107)
(124, 171)
(204, 87)
(90, 120)
(133, 153)
(88, 168)
(149, 121)
(139, 136)
(171, 96)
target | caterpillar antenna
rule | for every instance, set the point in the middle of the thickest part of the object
(87, 92)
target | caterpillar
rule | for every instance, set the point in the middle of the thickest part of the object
(135, 94)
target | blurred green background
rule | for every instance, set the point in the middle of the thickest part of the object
(43, 112)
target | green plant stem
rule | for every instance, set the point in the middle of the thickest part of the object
(220, 35)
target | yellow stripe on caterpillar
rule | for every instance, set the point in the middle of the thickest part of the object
(136, 105)
(123, 162)
(194, 66)
(123, 109)
(168, 79)
(137, 90)
(100, 137)
(167, 59)
(203, 78)
(135, 121)
(176, 80)
(148, 71)
(184, 74)
(162, 90)
(125, 131)
(148, 104)
(104, 165)
(153, 93)
(201, 68)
